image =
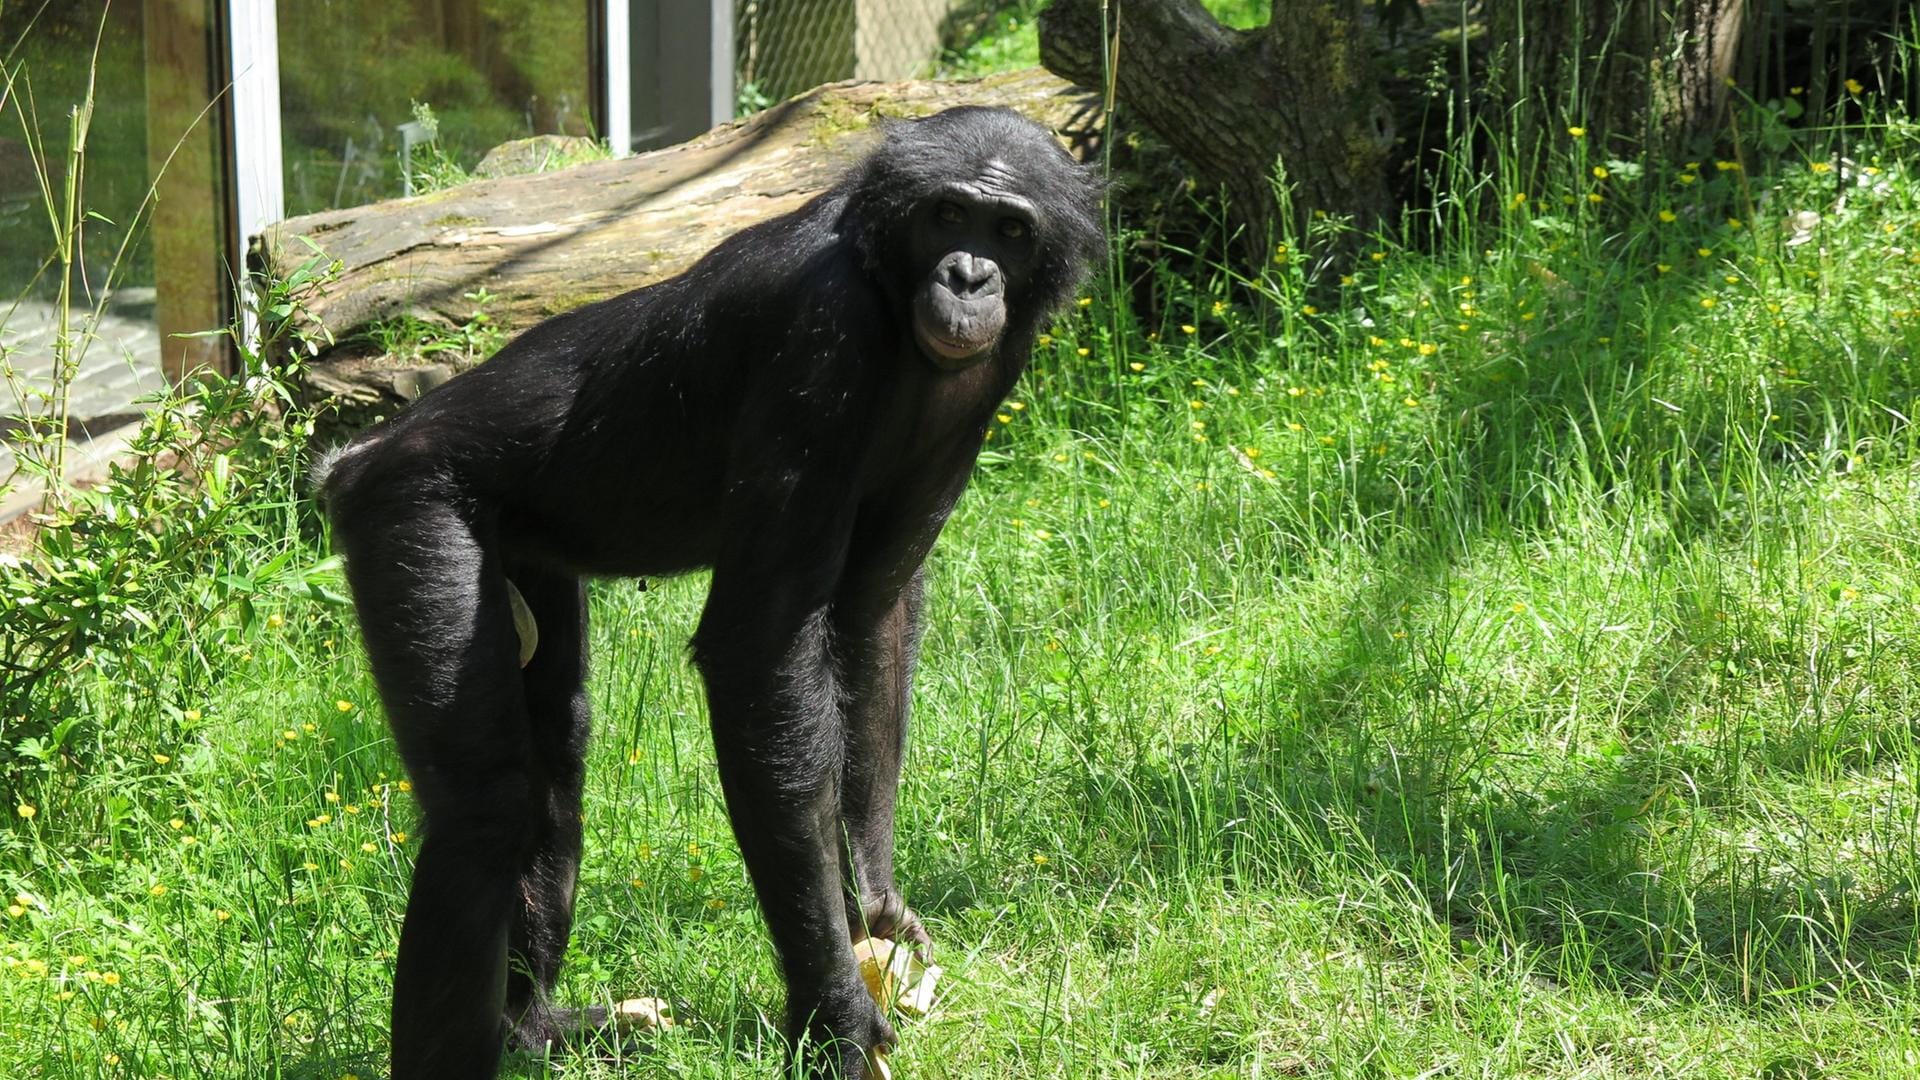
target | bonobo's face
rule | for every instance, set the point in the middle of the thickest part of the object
(977, 238)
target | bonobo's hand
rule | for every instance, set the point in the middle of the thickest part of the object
(839, 1030)
(888, 916)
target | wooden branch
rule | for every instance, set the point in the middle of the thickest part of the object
(545, 243)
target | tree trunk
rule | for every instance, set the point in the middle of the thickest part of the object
(1298, 93)
(1636, 74)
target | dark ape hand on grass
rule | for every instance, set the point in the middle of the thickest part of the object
(799, 411)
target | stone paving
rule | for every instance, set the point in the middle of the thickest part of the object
(121, 364)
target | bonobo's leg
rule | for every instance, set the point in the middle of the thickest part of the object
(554, 682)
(778, 736)
(433, 608)
(877, 643)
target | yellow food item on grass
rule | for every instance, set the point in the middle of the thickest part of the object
(896, 977)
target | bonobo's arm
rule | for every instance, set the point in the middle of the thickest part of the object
(763, 647)
(876, 623)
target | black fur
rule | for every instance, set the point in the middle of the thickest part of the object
(798, 411)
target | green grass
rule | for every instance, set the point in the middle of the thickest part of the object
(1499, 664)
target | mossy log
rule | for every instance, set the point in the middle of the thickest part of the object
(544, 243)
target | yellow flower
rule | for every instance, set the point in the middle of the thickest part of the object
(1820, 167)
(1577, 132)
(1708, 301)
(275, 622)
(1042, 534)
(1849, 594)
(111, 978)
(369, 847)
(694, 873)
(189, 841)
(176, 824)
(16, 911)
(222, 914)
(1410, 402)
(1600, 172)
(1705, 252)
(191, 715)
(1734, 223)
(1663, 267)
(1346, 279)
(1219, 307)
(1309, 309)
(1378, 256)
(1518, 607)
(1727, 166)
(1043, 340)
(1039, 859)
(693, 849)
(1084, 351)
(157, 890)
(397, 837)
(1196, 404)
(1428, 348)
(289, 734)
(1187, 328)
(1595, 197)
(309, 866)
(1669, 216)
(1086, 301)
(331, 796)
(1519, 200)
(1853, 86)
(716, 904)
(1003, 418)
(343, 705)
(316, 822)
(1104, 503)
(1686, 178)
(26, 810)
(1136, 366)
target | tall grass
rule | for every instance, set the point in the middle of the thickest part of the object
(1497, 662)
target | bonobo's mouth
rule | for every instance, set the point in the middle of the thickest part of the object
(949, 354)
(957, 332)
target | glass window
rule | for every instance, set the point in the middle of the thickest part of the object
(148, 64)
(374, 90)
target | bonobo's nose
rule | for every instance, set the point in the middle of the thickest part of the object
(969, 275)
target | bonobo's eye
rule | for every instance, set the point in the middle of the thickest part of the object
(950, 212)
(1013, 228)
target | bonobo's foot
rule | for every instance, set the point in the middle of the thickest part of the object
(888, 916)
(841, 1035)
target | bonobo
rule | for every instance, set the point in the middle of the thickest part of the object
(799, 411)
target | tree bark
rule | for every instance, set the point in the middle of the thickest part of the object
(1636, 74)
(1295, 99)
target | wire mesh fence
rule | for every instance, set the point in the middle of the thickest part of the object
(786, 47)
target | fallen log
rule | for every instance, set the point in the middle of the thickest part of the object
(544, 243)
